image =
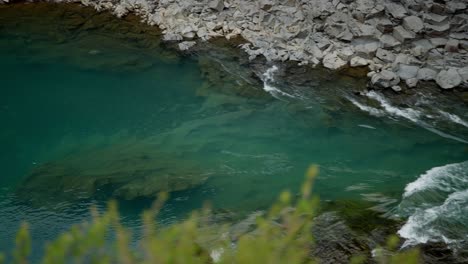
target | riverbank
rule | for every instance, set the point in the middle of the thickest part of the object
(401, 44)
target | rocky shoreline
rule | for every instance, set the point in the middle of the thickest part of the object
(401, 43)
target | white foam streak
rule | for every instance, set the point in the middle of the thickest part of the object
(454, 118)
(371, 110)
(268, 79)
(408, 113)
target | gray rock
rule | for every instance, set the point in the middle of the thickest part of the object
(455, 6)
(421, 47)
(172, 37)
(385, 55)
(363, 30)
(411, 83)
(388, 41)
(217, 5)
(438, 42)
(463, 74)
(186, 45)
(396, 10)
(366, 48)
(452, 45)
(459, 36)
(345, 53)
(448, 79)
(385, 79)
(434, 19)
(384, 25)
(426, 74)
(333, 61)
(459, 23)
(358, 62)
(402, 34)
(437, 30)
(396, 88)
(413, 23)
(464, 44)
(406, 72)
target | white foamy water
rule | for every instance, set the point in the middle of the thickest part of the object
(444, 178)
(408, 113)
(437, 206)
(269, 79)
(413, 115)
(371, 110)
(454, 118)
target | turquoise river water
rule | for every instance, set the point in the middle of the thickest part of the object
(67, 113)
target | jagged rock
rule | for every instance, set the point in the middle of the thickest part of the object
(333, 61)
(384, 25)
(406, 72)
(452, 45)
(437, 30)
(186, 45)
(363, 30)
(463, 74)
(402, 34)
(396, 88)
(464, 44)
(217, 5)
(366, 48)
(358, 62)
(388, 41)
(434, 19)
(172, 37)
(438, 42)
(455, 6)
(385, 79)
(459, 23)
(411, 83)
(345, 53)
(421, 47)
(396, 10)
(413, 23)
(426, 74)
(448, 79)
(385, 55)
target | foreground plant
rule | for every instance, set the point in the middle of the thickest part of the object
(283, 235)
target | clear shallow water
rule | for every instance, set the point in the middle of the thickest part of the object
(73, 104)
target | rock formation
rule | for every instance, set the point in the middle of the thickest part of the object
(382, 35)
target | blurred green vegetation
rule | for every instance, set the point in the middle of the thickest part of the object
(282, 235)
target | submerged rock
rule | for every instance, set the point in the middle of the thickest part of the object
(125, 170)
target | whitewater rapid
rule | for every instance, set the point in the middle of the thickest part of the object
(436, 205)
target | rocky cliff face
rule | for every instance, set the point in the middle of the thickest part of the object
(402, 42)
